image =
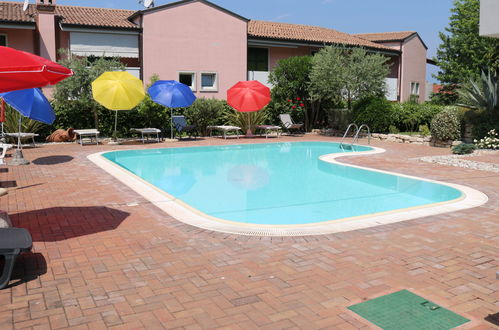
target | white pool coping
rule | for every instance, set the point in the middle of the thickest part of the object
(185, 213)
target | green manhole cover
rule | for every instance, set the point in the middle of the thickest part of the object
(405, 310)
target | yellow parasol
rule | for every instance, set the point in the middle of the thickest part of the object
(118, 91)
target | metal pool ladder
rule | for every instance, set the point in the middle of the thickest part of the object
(348, 130)
(357, 131)
(356, 137)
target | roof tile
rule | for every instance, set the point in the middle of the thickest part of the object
(386, 36)
(96, 17)
(307, 33)
(13, 12)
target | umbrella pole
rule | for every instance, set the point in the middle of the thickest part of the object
(19, 145)
(249, 132)
(171, 123)
(18, 157)
(115, 126)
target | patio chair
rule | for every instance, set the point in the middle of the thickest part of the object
(288, 123)
(180, 125)
(13, 241)
(4, 147)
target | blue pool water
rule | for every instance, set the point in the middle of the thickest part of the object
(276, 183)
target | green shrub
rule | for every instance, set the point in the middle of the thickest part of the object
(376, 112)
(246, 120)
(338, 118)
(205, 112)
(424, 130)
(393, 129)
(409, 116)
(463, 148)
(446, 125)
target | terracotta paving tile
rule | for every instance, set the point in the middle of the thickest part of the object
(104, 257)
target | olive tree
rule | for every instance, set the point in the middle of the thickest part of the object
(73, 101)
(345, 75)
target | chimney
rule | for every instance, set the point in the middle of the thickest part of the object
(47, 28)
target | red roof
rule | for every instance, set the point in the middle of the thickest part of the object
(307, 33)
(386, 36)
(72, 15)
(118, 18)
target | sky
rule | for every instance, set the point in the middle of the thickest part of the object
(427, 17)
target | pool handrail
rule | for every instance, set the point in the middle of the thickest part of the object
(356, 137)
(347, 130)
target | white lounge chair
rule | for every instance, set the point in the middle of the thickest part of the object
(4, 147)
(90, 133)
(225, 129)
(288, 123)
(268, 129)
(23, 136)
(147, 132)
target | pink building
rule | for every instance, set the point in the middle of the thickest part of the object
(410, 66)
(198, 43)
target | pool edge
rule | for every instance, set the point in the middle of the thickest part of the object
(185, 213)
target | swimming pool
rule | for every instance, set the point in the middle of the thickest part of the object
(278, 184)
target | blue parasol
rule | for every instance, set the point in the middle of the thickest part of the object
(171, 94)
(30, 103)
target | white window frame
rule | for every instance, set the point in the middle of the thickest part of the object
(208, 89)
(6, 39)
(418, 89)
(194, 80)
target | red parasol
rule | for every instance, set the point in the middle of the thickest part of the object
(248, 96)
(22, 70)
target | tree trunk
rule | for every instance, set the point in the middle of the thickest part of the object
(96, 117)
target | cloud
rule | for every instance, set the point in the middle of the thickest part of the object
(325, 2)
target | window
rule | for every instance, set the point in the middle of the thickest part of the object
(3, 40)
(414, 88)
(188, 78)
(209, 81)
(258, 59)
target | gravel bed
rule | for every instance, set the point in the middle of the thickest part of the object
(461, 161)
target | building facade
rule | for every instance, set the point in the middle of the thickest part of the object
(197, 43)
(489, 18)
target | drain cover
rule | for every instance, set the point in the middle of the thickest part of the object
(405, 310)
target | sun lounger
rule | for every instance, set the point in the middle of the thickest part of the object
(224, 129)
(4, 147)
(288, 123)
(23, 136)
(90, 133)
(147, 132)
(13, 241)
(268, 129)
(180, 125)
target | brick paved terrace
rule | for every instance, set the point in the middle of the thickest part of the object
(103, 257)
